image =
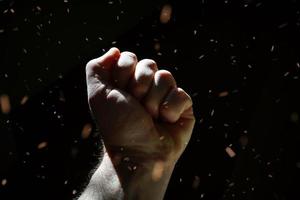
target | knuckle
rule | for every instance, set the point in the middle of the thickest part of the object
(90, 66)
(130, 54)
(149, 63)
(164, 76)
(184, 96)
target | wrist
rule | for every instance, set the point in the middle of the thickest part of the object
(140, 177)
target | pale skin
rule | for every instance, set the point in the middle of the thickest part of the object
(146, 122)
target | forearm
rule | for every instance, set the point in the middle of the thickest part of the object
(118, 178)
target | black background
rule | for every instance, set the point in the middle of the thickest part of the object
(248, 49)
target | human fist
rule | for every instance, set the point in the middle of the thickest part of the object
(140, 111)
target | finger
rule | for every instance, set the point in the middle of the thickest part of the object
(124, 69)
(143, 77)
(162, 83)
(98, 73)
(100, 68)
(174, 105)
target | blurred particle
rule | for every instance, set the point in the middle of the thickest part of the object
(42, 145)
(74, 192)
(230, 152)
(24, 51)
(298, 165)
(196, 182)
(62, 96)
(212, 112)
(24, 100)
(231, 184)
(165, 14)
(38, 8)
(286, 74)
(258, 4)
(15, 29)
(272, 48)
(201, 196)
(294, 117)
(4, 182)
(157, 46)
(282, 25)
(223, 94)
(1, 30)
(5, 103)
(74, 152)
(270, 175)
(243, 140)
(157, 171)
(86, 131)
(201, 56)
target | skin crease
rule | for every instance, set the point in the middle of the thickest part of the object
(145, 120)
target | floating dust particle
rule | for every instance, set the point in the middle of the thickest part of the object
(161, 137)
(62, 97)
(24, 100)
(200, 57)
(231, 184)
(126, 159)
(42, 145)
(196, 182)
(270, 175)
(5, 103)
(86, 131)
(230, 152)
(4, 182)
(157, 171)
(157, 46)
(243, 140)
(165, 14)
(294, 117)
(74, 192)
(223, 94)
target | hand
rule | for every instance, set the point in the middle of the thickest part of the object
(146, 121)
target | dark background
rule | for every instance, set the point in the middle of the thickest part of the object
(239, 60)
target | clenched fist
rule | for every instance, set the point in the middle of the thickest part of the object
(145, 121)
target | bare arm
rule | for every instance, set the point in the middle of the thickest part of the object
(146, 122)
